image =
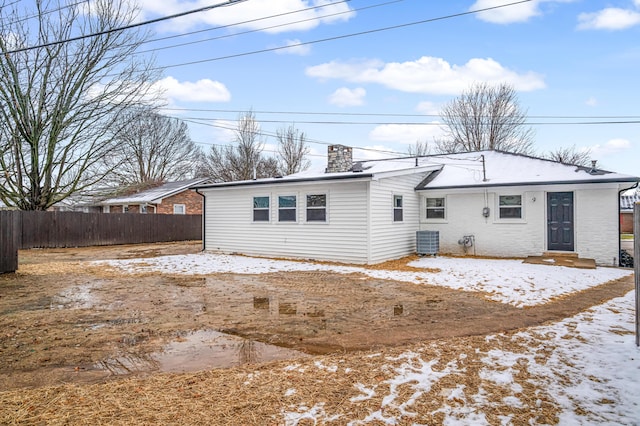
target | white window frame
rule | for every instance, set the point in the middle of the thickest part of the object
(184, 209)
(398, 208)
(125, 208)
(443, 208)
(294, 208)
(254, 209)
(143, 208)
(521, 206)
(318, 208)
(106, 209)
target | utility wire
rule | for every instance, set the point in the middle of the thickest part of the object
(254, 20)
(422, 123)
(383, 114)
(156, 49)
(323, 40)
(126, 27)
(44, 12)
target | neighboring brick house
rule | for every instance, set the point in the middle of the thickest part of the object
(168, 198)
(626, 212)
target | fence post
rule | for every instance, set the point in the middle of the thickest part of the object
(636, 265)
(9, 242)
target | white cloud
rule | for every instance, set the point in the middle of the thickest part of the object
(505, 15)
(406, 133)
(204, 90)
(611, 18)
(521, 12)
(294, 48)
(592, 102)
(427, 74)
(345, 97)
(248, 14)
(612, 146)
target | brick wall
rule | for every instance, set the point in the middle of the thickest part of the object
(626, 223)
(191, 200)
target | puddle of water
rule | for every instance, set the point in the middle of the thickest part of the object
(199, 350)
(398, 310)
(76, 297)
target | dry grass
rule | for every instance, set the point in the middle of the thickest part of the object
(263, 394)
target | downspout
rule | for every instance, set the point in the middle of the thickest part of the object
(619, 213)
(204, 209)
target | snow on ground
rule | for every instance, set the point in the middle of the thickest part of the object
(506, 281)
(586, 367)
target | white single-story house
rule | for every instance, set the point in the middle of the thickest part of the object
(487, 203)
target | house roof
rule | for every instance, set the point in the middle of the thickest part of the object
(465, 170)
(155, 195)
(496, 168)
(627, 201)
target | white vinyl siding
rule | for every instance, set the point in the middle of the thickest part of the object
(389, 239)
(230, 227)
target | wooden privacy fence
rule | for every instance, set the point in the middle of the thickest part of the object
(31, 229)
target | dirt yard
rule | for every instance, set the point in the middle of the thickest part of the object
(66, 321)
(63, 320)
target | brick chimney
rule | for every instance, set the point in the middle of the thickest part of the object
(339, 158)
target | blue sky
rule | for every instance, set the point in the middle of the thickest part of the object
(571, 62)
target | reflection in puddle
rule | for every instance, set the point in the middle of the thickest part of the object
(199, 350)
(261, 303)
(286, 308)
(398, 310)
(76, 297)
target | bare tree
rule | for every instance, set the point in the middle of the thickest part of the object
(419, 149)
(293, 150)
(244, 159)
(58, 100)
(486, 117)
(569, 156)
(152, 148)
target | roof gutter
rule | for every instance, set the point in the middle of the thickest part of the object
(204, 209)
(619, 224)
(282, 181)
(563, 182)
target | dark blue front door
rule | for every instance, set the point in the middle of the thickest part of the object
(560, 221)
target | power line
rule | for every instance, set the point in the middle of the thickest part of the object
(253, 20)
(323, 40)
(271, 134)
(383, 114)
(263, 28)
(44, 12)
(422, 123)
(126, 27)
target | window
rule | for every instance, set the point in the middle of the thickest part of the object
(317, 208)
(261, 209)
(510, 206)
(143, 208)
(106, 209)
(179, 209)
(435, 208)
(287, 208)
(397, 208)
(125, 209)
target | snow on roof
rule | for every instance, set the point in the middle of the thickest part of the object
(627, 201)
(495, 168)
(482, 168)
(155, 195)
